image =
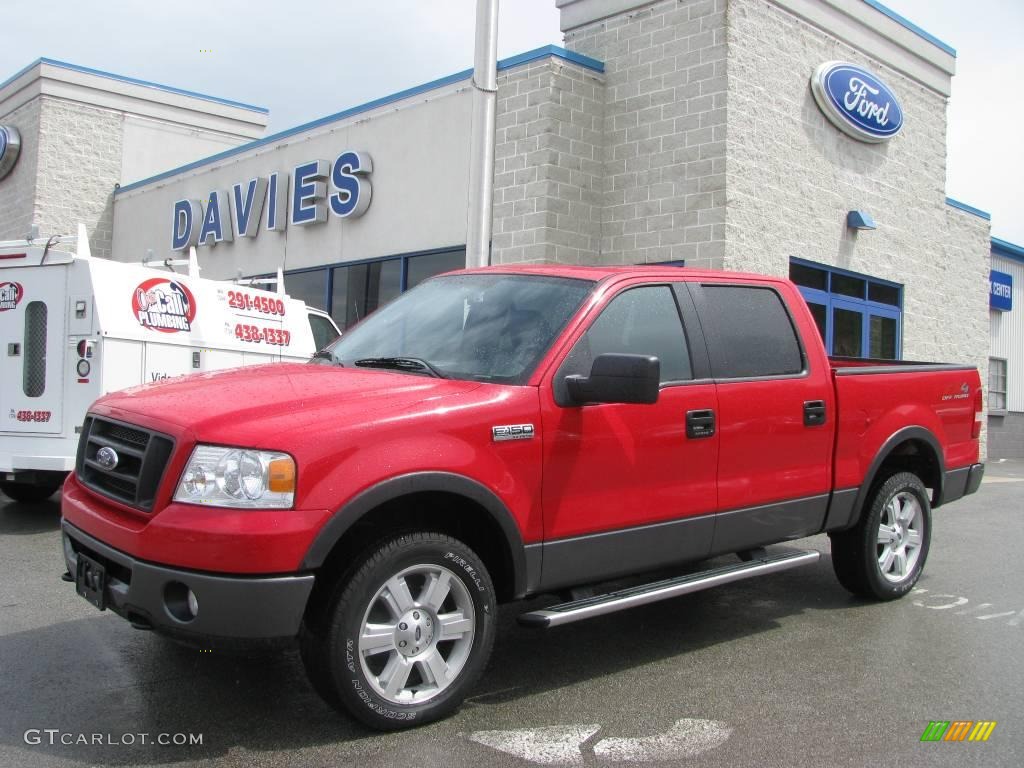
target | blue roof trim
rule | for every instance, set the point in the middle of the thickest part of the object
(1007, 249)
(134, 81)
(551, 50)
(969, 208)
(514, 61)
(19, 73)
(911, 26)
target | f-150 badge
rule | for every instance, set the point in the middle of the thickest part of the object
(512, 432)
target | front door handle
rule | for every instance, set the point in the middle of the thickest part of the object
(814, 413)
(700, 424)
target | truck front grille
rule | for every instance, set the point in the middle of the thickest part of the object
(141, 458)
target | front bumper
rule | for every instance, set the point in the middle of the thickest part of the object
(230, 607)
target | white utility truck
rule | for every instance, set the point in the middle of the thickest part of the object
(73, 328)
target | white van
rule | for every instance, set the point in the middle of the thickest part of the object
(73, 328)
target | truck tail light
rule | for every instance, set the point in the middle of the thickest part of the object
(979, 403)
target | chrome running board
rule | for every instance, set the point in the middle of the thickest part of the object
(761, 564)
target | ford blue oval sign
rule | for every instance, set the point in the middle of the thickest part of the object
(856, 102)
(10, 144)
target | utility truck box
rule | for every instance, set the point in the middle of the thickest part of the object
(73, 328)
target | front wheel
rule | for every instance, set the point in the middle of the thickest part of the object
(407, 635)
(883, 555)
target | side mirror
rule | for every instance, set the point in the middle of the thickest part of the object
(616, 378)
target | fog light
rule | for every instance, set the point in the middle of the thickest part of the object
(180, 601)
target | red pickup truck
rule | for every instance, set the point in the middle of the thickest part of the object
(499, 433)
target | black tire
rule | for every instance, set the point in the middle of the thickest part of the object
(31, 493)
(330, 641)
(856, 553)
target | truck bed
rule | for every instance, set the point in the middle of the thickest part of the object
(880, 399)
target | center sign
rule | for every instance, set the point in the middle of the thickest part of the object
(274, 202)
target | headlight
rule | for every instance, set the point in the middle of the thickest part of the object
(237, 477)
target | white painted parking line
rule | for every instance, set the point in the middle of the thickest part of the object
(687, 738)
(554, 745)
(562, 744)
(938, 601)
(991, 479)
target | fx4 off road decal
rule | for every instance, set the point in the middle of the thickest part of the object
(164, 305)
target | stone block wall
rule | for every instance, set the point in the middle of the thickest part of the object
(664, 131)
(548, 166)
(18, 188)
(792, 177)
(79, 164)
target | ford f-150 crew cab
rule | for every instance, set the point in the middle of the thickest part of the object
(505, 432)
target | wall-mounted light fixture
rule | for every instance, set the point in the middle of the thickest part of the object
(860, 220)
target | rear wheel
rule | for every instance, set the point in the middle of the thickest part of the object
(883, 555)
(407, 635)
(31, 493)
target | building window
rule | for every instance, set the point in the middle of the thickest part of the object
(309, 286)
(359, 289)
(419, 268)
(857, 315)
(351, 291)
(996, 384)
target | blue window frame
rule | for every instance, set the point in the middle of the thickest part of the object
(857, 315)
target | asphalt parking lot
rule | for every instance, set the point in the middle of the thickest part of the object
(786, 670)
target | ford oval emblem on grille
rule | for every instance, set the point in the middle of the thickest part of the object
(107, 458)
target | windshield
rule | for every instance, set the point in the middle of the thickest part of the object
(486, 327)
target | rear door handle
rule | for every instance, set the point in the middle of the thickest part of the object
(700, 424)
(814, 413)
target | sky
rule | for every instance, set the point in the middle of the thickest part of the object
(304, 60)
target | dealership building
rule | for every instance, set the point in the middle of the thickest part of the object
(804, 138)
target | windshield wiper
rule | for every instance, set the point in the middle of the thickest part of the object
(400, 364)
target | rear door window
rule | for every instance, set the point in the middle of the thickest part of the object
(749, 332)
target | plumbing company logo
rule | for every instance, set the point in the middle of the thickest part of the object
(10, 146)
(164, 305)
(856, 102)
(958, 730)
(10, 295)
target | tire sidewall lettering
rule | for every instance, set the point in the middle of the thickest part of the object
(349, 676)
(470, 571)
